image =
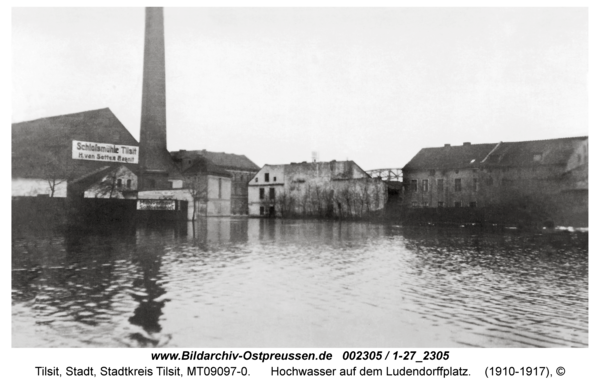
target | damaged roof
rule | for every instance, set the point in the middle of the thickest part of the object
(449, 157)
(517, 154)
(531, 153)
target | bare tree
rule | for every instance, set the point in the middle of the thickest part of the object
(284, 204)
(108, 185)
(56, 168)
(317, 198)
(306, 199)
(377, 192)
(197, 186)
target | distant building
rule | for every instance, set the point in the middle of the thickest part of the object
(239, 167)
(116, 182)
(336, 188)
(445, 176)
(210, 186)
(498, 174)
(50, 154)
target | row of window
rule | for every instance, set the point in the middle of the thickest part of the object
(261, 193)
(458, 185)
(267, 179)
(120, 183)
(457, 204)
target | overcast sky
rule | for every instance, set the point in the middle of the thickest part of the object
(369, 85)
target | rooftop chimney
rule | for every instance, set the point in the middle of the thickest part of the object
(466, 143)
(447, 145)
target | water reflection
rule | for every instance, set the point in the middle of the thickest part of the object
(239, 282)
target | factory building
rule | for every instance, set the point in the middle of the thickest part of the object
(54, 156)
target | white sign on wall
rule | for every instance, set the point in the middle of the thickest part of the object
(156, 205)
(92, 151)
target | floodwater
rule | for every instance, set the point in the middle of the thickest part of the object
(297, 283)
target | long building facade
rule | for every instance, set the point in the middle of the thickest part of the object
(540, 173)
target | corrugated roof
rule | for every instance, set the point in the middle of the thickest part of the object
(225, 160)
(449, 157)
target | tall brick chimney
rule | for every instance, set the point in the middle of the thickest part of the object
(153, 129)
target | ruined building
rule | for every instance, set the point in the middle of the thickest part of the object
(321, 189)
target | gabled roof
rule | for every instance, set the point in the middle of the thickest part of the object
(42, 148)
(95, 126)
(548, 152)
(97, 175)
(203, 165)
(449, 157)
(225, 160)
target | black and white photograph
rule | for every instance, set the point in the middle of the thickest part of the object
(299, 177)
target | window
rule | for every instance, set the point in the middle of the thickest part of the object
(272, 193)
(119, 183)
(457, 204)
(425, 204)
(219, 188)
(414, 185)
(274, 179)
(473, 204)
(475, 184)
(440, 204)
(262, 210)
(128, 184)
(425, 185)
(440, 185)
(256, 179)
(457, 187)
(261, 193)
(266, 177)
(414, 204)
(151, 183)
